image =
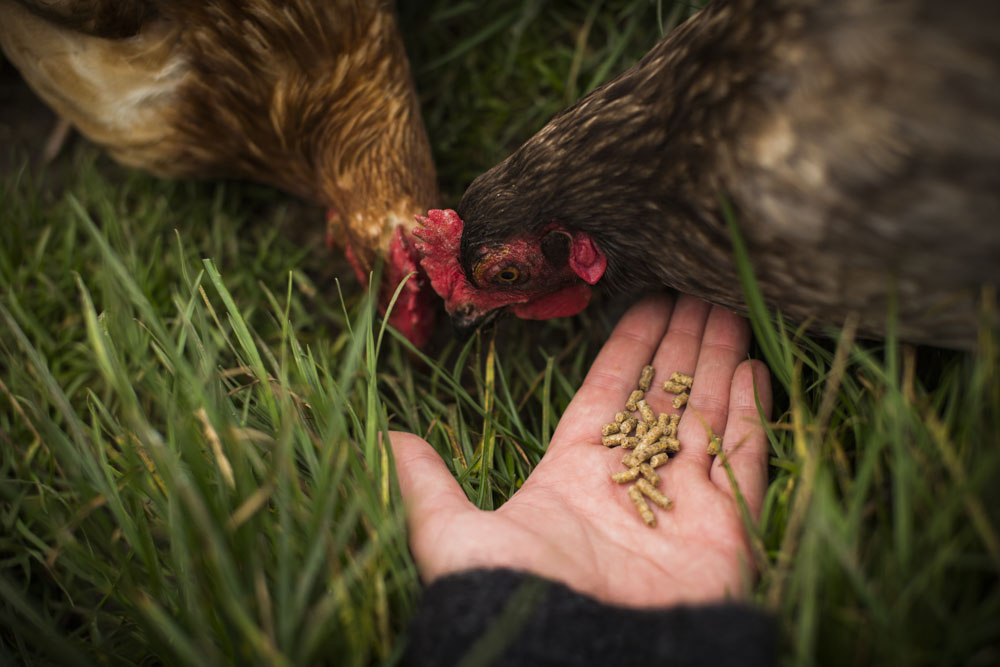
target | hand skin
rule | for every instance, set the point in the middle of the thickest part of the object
(571, 523)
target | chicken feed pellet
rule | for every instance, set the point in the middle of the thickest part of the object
(645, 411)
(646, 452)
(613, 439)
(652, 434)
(682, 379)
(652, 439)
(668, 423)
(654, 494)
(647, 471)
(624, 476)
(658, 459)
(663, 420)
(646, 377)
(680, 385)
(672, 387)
(640, 503)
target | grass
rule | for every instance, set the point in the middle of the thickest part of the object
(190, 463)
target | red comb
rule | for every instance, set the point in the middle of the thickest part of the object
(440, 239)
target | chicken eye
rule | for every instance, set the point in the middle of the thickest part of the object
(508, 274)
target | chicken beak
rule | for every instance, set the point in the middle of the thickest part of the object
(464, 325)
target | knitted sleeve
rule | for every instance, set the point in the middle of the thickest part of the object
(504, 617)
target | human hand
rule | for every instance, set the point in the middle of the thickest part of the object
(571, 523)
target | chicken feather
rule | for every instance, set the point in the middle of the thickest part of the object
(858, 141)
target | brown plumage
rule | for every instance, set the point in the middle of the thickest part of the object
(858, 141)
(312, 96)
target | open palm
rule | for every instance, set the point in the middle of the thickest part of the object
(571, 523)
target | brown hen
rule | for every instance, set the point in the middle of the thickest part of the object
(314, 97)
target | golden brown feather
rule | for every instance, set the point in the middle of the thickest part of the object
(312, 97)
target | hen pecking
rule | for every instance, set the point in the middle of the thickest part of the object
(314, 97)
(859, 143)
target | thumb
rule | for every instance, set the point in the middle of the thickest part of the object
(428, 487)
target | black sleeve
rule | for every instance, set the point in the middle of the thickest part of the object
(503, 617)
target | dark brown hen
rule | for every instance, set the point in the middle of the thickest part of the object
(859, 143)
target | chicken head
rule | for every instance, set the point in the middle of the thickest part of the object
(535, 277)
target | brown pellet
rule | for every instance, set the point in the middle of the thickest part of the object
(668, 423)
(645, 411)
(613, 440)
(640, 503)
(642, 453)
(652, 435)
(647, 471)
(654, 495)
(714, 445)
(680, 400)
(609, 429)
(672, 387)
(646, 377)
(627, 425)
(625, 476)
(630, 442)
(645, 452)
(639, 455)
(621, 417)
(647, 449)
(659, 459)
(630, 460)
(633, 398)
(681, 378)
(640, 429)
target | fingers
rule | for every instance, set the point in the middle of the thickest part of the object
(428, 487)
(613, 375)
(678, 352)
(745, 443)
(724, 345)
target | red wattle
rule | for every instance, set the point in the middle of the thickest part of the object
(563, 303)
(413, 313)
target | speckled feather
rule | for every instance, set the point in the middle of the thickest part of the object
(859, 143)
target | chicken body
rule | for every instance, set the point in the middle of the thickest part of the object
(859, 143)
(312, 96)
